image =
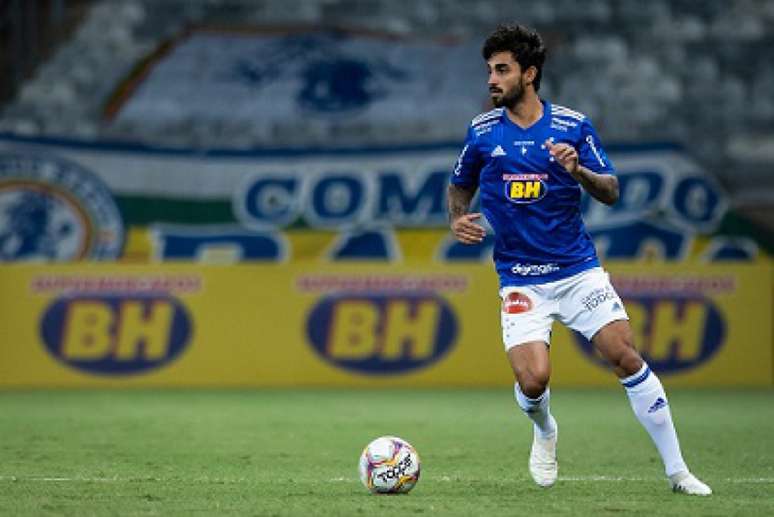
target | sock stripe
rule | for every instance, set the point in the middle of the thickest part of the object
(637, 380)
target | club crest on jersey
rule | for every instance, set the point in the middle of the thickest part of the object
(525, 188)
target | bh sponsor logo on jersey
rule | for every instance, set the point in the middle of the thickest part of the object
(54, 210)
(116, 334)
(516, 303)
(525, 188)
(672, 333)
(385, 333)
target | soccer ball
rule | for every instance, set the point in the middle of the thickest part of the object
(389, 465)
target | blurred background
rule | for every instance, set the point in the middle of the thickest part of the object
(197, 171)
(695, 73)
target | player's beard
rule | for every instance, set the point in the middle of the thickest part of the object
(510, 98)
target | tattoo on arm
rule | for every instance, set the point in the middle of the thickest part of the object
(602, 187)
(458, 200)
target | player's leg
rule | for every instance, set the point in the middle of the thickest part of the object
(649, 402)
(526, 321)
(646, 394)
(593, 308)
(532, 369)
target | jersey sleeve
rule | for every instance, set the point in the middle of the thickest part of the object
(591, 154)
(468, 164)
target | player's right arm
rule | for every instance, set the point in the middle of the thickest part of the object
(463, 224)
(462, 188)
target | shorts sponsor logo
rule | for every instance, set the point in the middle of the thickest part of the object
(54, 210)
(597, 297)
(386, 333)
(672, 333)
(516, 303)
(113, 334)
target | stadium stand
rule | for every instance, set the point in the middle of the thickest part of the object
(696, 73)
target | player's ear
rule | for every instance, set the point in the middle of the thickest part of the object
(529, 75)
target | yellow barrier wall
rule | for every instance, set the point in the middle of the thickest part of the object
(93, 325)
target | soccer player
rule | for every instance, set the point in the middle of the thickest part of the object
(529, 159)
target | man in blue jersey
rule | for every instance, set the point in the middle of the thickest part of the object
(530, 159)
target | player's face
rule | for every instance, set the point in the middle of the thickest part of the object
(506, 81)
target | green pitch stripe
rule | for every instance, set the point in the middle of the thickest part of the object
(141, 210)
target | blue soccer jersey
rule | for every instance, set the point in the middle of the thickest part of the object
(529, 199)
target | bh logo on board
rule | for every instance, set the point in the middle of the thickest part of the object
(114, 334)
(54, 210)
(387, 333)
(673, 334)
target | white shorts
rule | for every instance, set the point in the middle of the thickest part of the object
(585, 302)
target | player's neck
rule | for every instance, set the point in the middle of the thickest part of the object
(528, 111)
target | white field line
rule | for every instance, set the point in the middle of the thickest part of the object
(592, 479)
(571, 479)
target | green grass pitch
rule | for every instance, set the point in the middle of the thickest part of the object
(295, 452)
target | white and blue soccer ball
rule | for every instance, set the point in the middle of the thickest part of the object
(389, 465)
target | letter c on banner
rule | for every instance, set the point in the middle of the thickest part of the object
(268, 202)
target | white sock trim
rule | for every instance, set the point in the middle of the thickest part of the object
(639, 377)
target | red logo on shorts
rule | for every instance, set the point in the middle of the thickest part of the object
(516, 303)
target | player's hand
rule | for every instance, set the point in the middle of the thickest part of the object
(466, 230)
(565, 154)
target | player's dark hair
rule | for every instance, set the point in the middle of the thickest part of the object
(523, 42)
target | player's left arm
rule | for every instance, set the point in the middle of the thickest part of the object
(588, 163)
(602, 187)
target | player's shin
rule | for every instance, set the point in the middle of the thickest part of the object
(650, 404)
(538, 410)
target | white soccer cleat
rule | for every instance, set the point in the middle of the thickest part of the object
(687, 483)
(542, 460)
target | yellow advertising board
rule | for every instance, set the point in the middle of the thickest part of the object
(95, 325)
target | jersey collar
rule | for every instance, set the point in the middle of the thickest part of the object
(542, 120)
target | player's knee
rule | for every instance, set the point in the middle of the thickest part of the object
(631, 362)
(627, 361)
(533, 385)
